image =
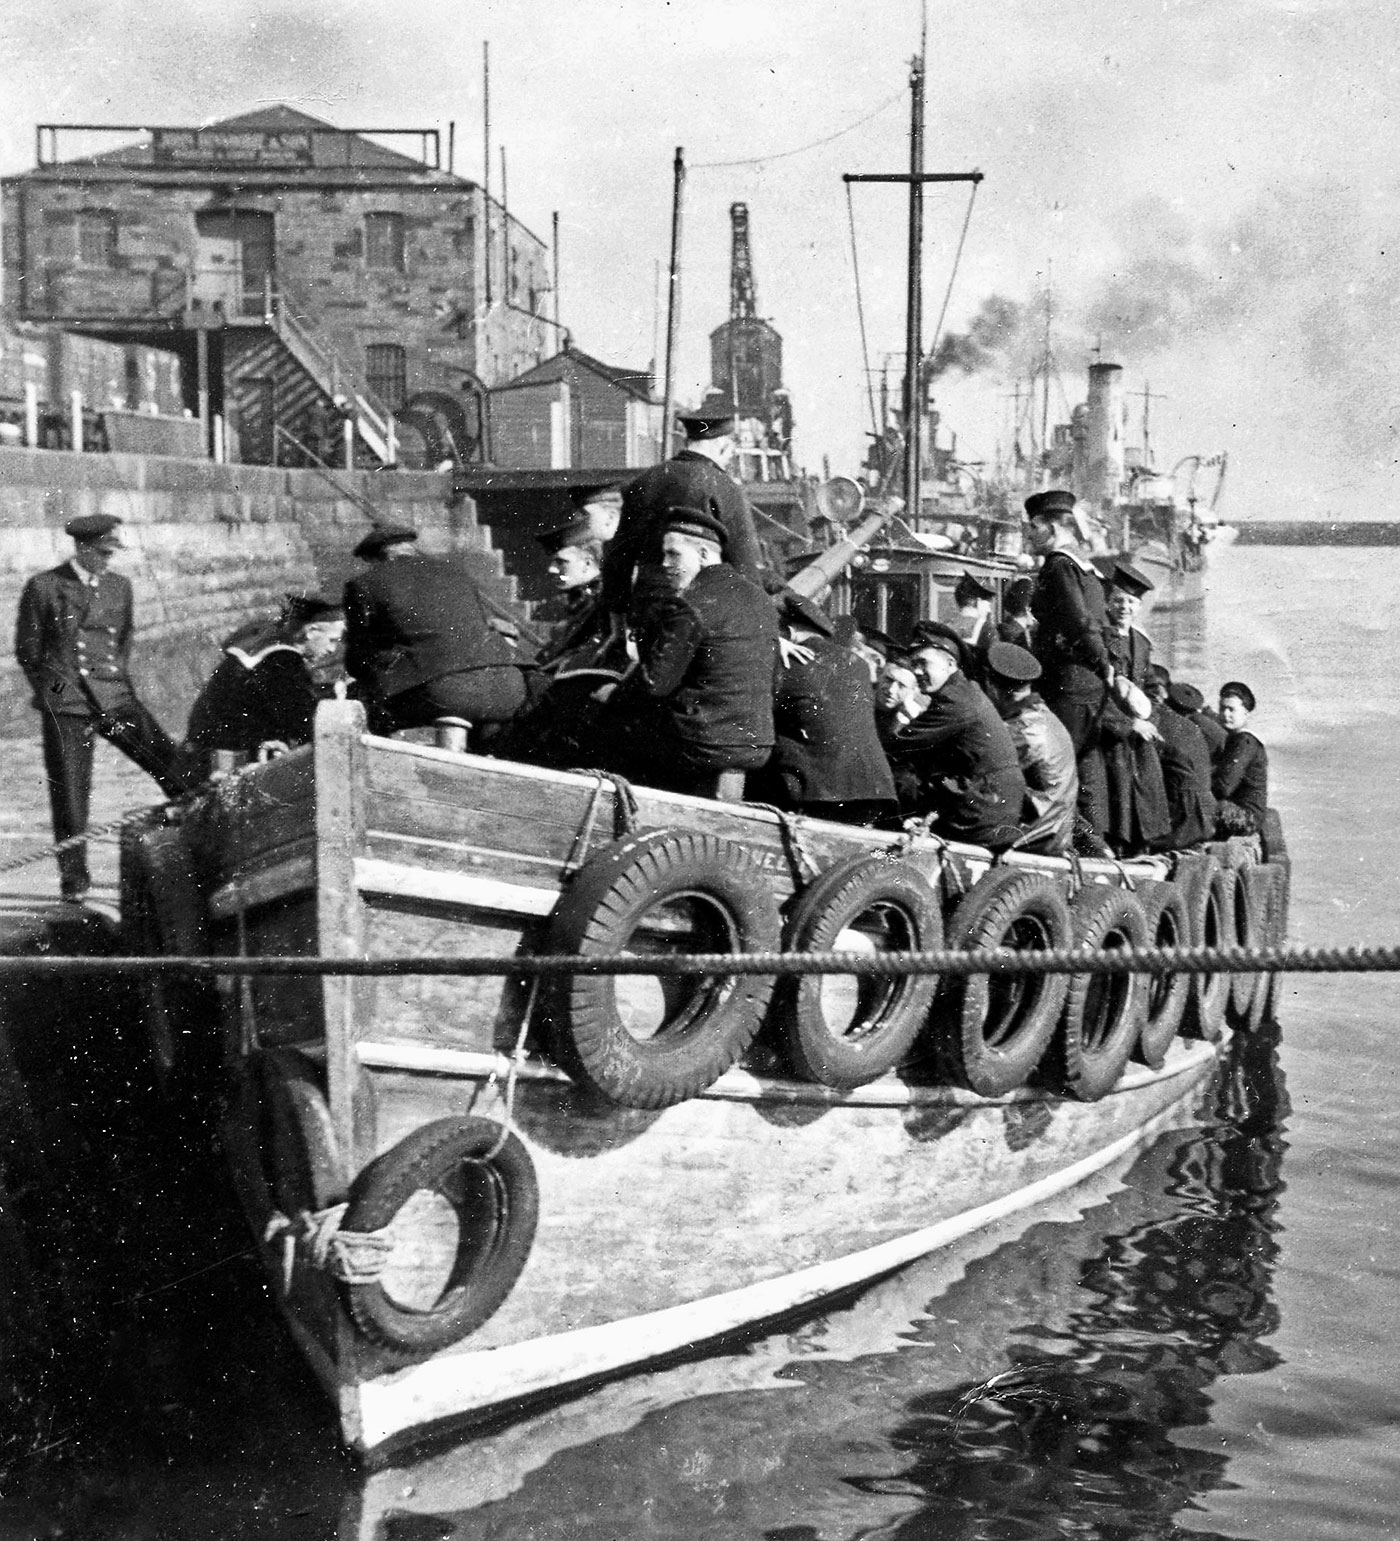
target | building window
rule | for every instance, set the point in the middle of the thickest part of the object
(95, 238)
(384, 242)
(386, 368)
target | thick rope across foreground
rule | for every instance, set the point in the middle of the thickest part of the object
(1003, 961)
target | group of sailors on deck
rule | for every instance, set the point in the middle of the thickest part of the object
(680, 662)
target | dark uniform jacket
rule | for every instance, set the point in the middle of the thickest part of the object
(414, 619)
(580, 628)
(1070, 619)
(1211, 729)
(708, 658)
(1241, 784)
(1186, 772)
(253, 699)
(73, 641)
(827, 749)
(688, 480)
(957, 760)
(1046, 755)
(1139, 814)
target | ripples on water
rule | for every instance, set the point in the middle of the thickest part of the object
(1198, 1344)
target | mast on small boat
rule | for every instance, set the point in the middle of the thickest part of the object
(915, 179)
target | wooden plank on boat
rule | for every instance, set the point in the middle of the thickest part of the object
(398, 880)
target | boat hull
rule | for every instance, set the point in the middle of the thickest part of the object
(658, 1229)
(723, 1237)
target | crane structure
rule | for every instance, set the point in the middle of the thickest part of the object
(746, 361)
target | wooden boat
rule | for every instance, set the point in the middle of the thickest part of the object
(474, 1191)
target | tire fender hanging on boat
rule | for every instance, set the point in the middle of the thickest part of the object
(1103, 1013)
(166, 914)
(868, 901)
(1247, 931)
(1168, 925)
(990, 1032)
(665, 890)
(1209, 892)
(440, 1277)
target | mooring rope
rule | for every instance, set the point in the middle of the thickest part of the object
(93, 832)
(1000, 961)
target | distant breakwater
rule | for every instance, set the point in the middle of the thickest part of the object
(1319, 532)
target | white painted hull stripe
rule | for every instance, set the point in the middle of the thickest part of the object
(743, 1085)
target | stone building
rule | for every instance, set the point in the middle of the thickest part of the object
(304, 275)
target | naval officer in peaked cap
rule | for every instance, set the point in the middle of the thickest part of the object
(696, 478)
(73, 640)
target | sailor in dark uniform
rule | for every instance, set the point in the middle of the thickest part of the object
(956, 760)
(696, 478)
(1017, 623)
(973, 623)
(579, 624)
(1241, 779)
(1186, 768)
(1043, 750)
(73, 642)
(827, 758)
(419, 641)
(700, 701)
(271, 679)
(1068, 606)
(1139, 816)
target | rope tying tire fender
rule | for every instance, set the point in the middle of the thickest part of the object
(353, 1257)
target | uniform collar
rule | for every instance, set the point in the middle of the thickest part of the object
(87, 579)
(1079, 561)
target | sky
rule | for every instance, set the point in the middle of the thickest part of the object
(1207, 191)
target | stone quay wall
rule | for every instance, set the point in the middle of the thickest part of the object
(210, 547)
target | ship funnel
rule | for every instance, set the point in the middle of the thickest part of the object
(1101, 469)
(840, 499)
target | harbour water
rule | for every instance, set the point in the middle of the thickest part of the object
(1201, 1343)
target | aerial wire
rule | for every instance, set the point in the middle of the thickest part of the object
(952, 276)
(860, 313)
(816, 144)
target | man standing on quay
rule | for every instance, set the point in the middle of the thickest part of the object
(696, 478)
(73, 641)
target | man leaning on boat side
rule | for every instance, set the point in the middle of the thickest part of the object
(696, 478)
(1068, 606)
(700, 701)
(73, 640)
(956, 760)
(1044, 749)
(827, 758)
(1241, 779)
(419, 641)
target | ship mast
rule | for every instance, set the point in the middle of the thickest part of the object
(915, 179)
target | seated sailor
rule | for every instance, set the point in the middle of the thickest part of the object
(1186, 768)
(580, 628)
(1241, 778)
(957, 760)
(1044, 749)
(898, 699)
(827, 759)
(419, 641)
(699, 703)
(271, 678)
(973, 622)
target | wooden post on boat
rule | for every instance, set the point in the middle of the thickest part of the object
(340, 922)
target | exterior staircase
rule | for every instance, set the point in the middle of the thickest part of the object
(373, 421)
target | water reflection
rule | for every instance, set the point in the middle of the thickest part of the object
(1035, 1390)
